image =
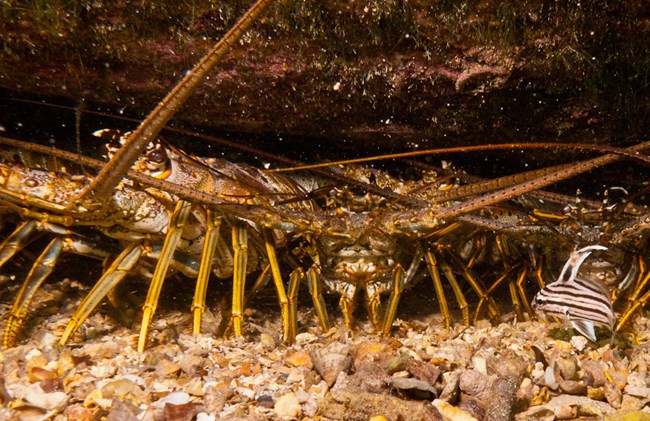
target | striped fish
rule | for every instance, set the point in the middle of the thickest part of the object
(585, 302)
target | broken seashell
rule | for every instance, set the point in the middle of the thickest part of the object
(287, 406)
(330, 365)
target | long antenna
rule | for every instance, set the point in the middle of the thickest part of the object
(113, 172)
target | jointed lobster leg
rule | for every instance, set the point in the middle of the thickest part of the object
(178, 221)
(432, 265)
(634, 302)
(213, 224)
(125, 262)
(515, 300)
(316, 292)
(295, 280)
(240, 246)
(492, 288)
(512, 287)
(520, 289)
(41, 269)
(393, 301)
(450, 256)
(16, 241)
(279, 287)
(471, 279)
(460, 297)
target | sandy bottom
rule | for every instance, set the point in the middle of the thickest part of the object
(508, 370)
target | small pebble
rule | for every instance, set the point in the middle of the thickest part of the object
(287, 406)
(579, 343)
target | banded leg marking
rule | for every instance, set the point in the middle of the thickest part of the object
(177, 223)
(207, 257)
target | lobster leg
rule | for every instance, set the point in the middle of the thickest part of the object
(640, 303)
(402, 279)
(40, 271)
(373, 302)
(432, 265)
(125, 262)
(261, 281)
(476, 285)
(295, 280)
(634, 302)
(42, 268)
(539, 268)
(493, 287)
(522, 293)
(178, 220)
(516, 304)
(16, 240)
(391, 309)
(209, 247)
(460, 297)
(315, 290)
(240, 246)
(279, 286)
(632, 277)
(638, 287)
(347, 304)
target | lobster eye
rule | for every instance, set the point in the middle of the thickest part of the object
(31, 182)
(157, 155)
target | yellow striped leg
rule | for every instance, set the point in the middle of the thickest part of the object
(636, 304)
(16, 240)
(393, 301)
(373, 302)
(539, 267)
(178, 220)
(240, 247)
(490, 290)
(633, 298)
(313, 281)
(460, 297)
(479, 249)
(516, 305)
(295, 280)
(279, 286)
(42, 268)
(633, 277)
(476, 285)
(207, 257)
(124, 263)
(432, 265)
(260, 282)
(522, 292)
(347, 305)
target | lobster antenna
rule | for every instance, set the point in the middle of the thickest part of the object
(112, 172)
(78, 112)
(542, 145)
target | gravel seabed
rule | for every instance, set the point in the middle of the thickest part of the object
(509, 370)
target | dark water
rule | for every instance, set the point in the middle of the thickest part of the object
(65, 124)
